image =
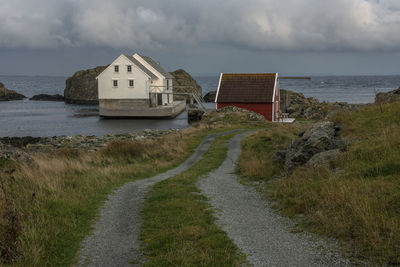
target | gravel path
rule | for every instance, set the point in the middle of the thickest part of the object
(256, 229)
(114, 241)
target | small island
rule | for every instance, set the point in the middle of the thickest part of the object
(9, 95)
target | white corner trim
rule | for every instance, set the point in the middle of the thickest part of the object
(273, 98)
(219, 84)
(148, 66)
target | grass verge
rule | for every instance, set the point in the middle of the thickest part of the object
(47, 210)
(179, 227)
(358, 206)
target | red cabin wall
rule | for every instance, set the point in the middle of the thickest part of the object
(264, 109)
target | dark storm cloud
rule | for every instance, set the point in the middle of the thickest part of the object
(286, 25)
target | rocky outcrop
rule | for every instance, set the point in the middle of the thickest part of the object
(389, 97)
(8, 95)
(45, 97)
(210, 96)
(81, 88)
(184, 83)
(79, 142)
(195, 115)
(315, 146)
(232, 114)
(299, 106)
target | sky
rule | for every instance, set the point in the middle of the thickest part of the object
(292, 37)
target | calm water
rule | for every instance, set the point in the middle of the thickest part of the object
(22, 118)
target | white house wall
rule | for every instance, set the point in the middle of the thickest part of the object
(123, 91)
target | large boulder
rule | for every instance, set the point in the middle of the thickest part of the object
(184, 83)
(389, 97)
(210, 96)
(319, 137)
(8, 95)
(81, 88)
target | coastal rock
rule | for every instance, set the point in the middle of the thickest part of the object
(78, 142)
(184, 83)
(299, 106)
(210, 96)
(11, 153)
(81, 88)
(319, 137)
(8, 95)
(195, 115)
(389, 97)
(232, 114)
(45, 97)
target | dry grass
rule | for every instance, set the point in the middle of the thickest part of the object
(54, 204)
(258, 151)
(359, 206)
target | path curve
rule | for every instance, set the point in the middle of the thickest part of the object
(114, 241)
(255, 228)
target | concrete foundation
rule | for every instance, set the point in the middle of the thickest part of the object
(139, 108)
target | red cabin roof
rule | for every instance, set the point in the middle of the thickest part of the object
(246, 88)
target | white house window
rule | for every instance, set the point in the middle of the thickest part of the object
(115, 83)
(131, 83)
(129, 68)
(116, 68)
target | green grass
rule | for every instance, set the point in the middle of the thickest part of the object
(55, 204)
(179, 228)
(359, 206)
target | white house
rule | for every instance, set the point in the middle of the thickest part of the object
(137, 86)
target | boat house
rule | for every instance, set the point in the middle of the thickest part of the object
(257, 92)
(137, 86)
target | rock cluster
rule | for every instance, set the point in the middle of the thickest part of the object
(232, 114)
(81, 88)
(299, 106)
(11, 153)
(184, 83)
(45, 97)
(8, 95)
(91, 143)
(315, 146)
(389, 97)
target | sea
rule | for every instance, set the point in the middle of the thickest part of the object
(42, 118)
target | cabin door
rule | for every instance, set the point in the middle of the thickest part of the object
(159, 99)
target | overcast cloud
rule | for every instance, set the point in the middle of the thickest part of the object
(284, 25)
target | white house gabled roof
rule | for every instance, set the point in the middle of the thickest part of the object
(157, 67)
(142, 67)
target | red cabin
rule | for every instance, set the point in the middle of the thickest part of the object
(257, 92)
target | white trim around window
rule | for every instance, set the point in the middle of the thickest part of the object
(115, 83)
(131, 82)
(116, 68)
(129, 68)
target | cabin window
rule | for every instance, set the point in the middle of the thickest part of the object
(131, 83)
(115, 83)
(129, 68)
(116, 68)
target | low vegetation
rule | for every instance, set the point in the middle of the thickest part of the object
(354, 199)
(179, 228)
(48, 209)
